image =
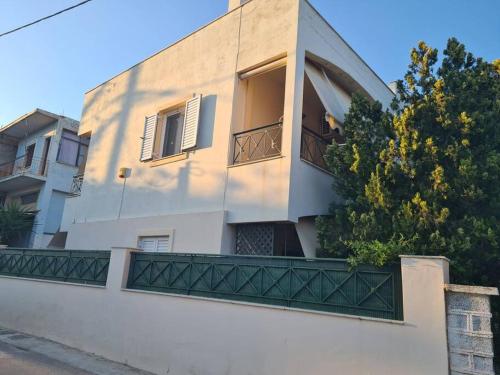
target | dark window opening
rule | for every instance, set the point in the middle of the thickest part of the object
(30, 151)
(72, 148)
(268, 239)
(172, 140)
(28, 198)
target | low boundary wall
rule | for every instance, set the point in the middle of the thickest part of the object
(174, 334)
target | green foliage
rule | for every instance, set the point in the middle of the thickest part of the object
(423, 178)
(15, 221)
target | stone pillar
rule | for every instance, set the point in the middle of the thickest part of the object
(119, 265)
(470, 340)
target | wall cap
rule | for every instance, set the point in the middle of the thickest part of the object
(470, 289)
(126, 248)
(425, 257)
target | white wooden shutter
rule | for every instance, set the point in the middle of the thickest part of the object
(155, 244)
(191, 120)
(162, 245)
(148, 244)
(148, 139)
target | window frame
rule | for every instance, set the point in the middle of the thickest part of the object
(160, 143)
(78, 152)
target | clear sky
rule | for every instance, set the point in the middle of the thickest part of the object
(51, 65)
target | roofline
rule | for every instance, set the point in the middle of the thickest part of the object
(168, 46)
(26, 115)
(348, 45)
(219, 18)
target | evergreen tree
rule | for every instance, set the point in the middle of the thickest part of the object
(424, 177)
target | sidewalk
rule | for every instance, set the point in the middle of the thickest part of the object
(22, 354)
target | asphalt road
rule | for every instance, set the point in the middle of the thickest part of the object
(22, 354)
(17, 361)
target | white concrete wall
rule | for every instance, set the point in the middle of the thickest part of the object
(201, 182)
(310, 188)
(189, 233)
(187, 335)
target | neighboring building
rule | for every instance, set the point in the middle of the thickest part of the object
(223, 135)
(40, 153)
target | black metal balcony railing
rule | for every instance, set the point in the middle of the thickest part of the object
(313, 148)
(76, 185)
(258, 143)
(24, 165)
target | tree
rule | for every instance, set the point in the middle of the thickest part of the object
(15, 221)
(423, 178)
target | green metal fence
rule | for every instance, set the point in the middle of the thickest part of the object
(314, 284)
(75, 266)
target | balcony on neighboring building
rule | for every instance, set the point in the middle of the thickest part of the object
(76, 185)
(23, 172)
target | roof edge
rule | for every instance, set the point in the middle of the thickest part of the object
(31, 113)
(168, 46)
(348, 45)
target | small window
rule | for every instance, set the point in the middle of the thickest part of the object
(29, 198)
(155, 244)
(30, 151)
(72, 148)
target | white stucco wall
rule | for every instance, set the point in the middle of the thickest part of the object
(186, 335)
(114, 114)
(310, 188)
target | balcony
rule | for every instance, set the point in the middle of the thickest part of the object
(76, 185)
(258, 143)
(23, 172)
(313, 148)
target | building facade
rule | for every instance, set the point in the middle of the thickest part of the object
(215, 143)
(39, 154)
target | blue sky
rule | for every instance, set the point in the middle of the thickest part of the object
(51, 65)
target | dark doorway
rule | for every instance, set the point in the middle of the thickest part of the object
(271, 239)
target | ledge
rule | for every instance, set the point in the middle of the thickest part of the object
(168, 159)
(425, 257)
(266, 306)
(255, 161)
(470, 289)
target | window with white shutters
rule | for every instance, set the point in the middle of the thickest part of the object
(148, 138)
(155, 244)
(191, 120)
(173, 132)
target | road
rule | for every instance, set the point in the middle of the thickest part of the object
(21, 354)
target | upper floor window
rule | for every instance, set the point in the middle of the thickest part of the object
(171, 132)
(72, 148)
(170, 129)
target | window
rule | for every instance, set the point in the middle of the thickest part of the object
(72, 148)
(30, 151)
(29, 198)
(155, 244)
(171, 132)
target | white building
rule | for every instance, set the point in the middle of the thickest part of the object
(40, 153)
(223, 134)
